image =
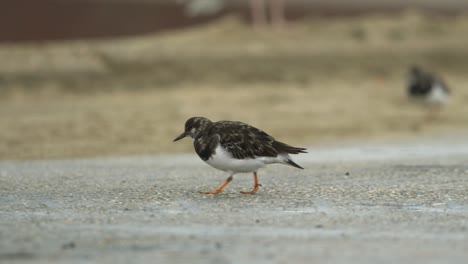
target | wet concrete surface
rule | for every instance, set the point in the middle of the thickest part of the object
(394, 203)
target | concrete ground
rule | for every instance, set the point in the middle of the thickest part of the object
(373, 203)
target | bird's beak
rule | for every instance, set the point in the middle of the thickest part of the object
(181, 136)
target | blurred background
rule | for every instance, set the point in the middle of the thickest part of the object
(86, 78)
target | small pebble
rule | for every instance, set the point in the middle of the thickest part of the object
(218, 245)
(70, 245)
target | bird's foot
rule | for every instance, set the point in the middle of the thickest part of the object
(253, 191)
(217, 190)
(211, 192)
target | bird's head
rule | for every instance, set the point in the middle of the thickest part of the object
(194, 127)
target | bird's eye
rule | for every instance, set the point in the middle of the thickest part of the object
(193, 130)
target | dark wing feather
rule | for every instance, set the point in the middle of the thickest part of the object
(285, 148)
(245, 141)
(421, 84)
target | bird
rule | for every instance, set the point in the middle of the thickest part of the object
(236, 147)
(427, 88)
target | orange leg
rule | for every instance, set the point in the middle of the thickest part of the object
(256, 185)
(220, 188)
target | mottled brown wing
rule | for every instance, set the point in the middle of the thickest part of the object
(244, 141)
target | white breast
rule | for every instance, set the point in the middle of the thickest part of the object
(224, 161)
(437, 95)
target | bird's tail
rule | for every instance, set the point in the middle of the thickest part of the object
(285, 150)
(292, 163)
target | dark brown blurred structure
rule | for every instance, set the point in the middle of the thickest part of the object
(38, 20)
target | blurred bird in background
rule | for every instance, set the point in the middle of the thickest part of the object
(428, 89)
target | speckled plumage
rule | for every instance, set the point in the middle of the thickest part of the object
(235, 146)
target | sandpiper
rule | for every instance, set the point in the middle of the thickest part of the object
(236, 147)
(427, 88)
